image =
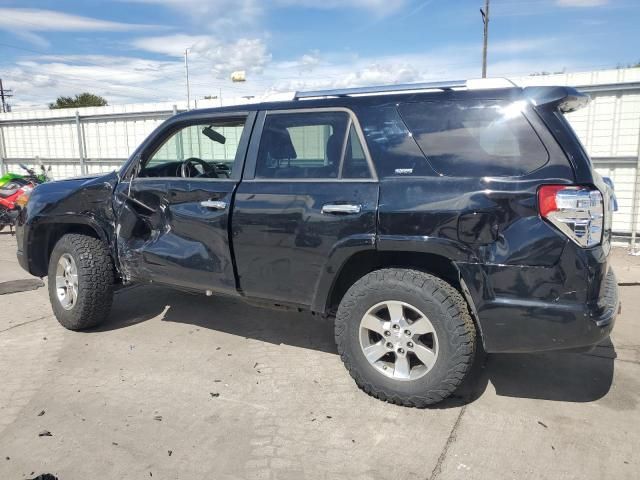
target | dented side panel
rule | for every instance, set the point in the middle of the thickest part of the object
(176, 240)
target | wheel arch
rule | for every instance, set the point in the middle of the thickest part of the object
(361, 263)
(44, 235)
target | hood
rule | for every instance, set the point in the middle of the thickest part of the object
(73, 195)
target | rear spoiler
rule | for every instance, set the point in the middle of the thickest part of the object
(564, 99)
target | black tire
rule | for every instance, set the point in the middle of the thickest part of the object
(444, 307)
(95, 281)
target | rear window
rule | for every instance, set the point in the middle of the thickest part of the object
(466, 139)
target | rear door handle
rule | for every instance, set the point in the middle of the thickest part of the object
(214, 204)
(345, 208)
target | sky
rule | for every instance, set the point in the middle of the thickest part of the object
(133, 50)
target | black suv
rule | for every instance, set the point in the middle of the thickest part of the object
(423, 218)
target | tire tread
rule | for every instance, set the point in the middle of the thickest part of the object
(95, 280)
(460, 327)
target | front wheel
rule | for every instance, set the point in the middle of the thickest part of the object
(80, 281)
(405, 336)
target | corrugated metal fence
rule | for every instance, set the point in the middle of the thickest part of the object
(77, 142)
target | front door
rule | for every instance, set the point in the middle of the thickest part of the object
(173, 214)
(308, 195)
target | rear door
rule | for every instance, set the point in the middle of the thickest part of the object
(173, 215)
(309, 193)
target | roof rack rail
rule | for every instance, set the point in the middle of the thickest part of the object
(345, 92)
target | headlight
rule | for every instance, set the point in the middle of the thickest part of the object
(23, 198)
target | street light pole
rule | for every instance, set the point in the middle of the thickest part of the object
(485, 21)
(186, 68)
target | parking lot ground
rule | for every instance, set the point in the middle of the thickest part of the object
(179, 386)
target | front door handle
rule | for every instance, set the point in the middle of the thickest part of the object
(214, 204)
(344, 208)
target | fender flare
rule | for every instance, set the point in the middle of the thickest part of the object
(38, 236)
(343, 251)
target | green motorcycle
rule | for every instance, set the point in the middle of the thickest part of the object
(31, 176)
(13, 186)
(9, 177)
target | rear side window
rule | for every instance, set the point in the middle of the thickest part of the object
(466, 139)
(310, 145)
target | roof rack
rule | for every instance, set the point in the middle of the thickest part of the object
(404, 87)
(345, 92)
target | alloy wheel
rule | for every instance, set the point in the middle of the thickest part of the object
(398, 340)
(67, 281)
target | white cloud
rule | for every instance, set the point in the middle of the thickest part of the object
(218, 14)
(40, 79)
(172, 45)
(581, 3)
(37, 20)
(522, 45)
(208, 53)
(380, 7)
(309, 61)
(23, 22)
(238, 12)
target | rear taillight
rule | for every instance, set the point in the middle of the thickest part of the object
(578, 212)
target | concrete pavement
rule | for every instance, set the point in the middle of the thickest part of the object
(179, 386)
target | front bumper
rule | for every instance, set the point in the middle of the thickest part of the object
(20, 241)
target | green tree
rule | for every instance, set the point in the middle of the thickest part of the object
(83, 100)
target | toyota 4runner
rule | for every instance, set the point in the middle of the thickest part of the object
(422, 218)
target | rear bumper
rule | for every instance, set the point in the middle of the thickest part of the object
(552, 311)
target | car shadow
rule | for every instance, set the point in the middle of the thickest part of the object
(554, 376)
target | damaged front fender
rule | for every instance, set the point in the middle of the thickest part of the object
(56, 208)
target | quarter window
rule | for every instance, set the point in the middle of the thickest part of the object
(463, 139)
(310, 146)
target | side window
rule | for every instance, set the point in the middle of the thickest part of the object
(205, 150)
(307, 146)
(476, 139)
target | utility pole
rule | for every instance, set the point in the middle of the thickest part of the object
(4, 94)
(186, 68)
(485, 21)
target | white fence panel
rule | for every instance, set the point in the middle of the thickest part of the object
(623, 177)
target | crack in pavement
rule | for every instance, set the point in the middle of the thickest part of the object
(23, 323)
(450, 441)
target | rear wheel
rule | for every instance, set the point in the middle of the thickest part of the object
(80, 281)
(405, 336)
